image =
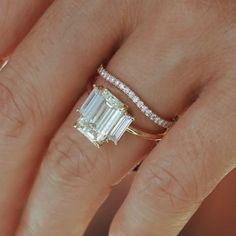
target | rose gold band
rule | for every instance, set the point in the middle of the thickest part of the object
(3, 63)
(145, 135)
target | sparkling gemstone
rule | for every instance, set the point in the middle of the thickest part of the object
(163, 123)
(135, 99)
(91, 105)
(120, 128)
(157, 120)
(111, 100)
(100, 70)
(117, 82)
(126, 90)
(112, 79)
(103, 117)
(121, 86)
(131, 94)
(153, 116)
(108, 78)
(139, 104)
(144, 108)
(148, 112)
(106, 75)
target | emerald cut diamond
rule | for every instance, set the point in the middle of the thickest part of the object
(103, 117)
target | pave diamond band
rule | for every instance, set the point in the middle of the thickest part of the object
(135, 99)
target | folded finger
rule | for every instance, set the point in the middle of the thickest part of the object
(183, 169)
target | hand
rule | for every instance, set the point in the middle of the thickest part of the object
(179, 56)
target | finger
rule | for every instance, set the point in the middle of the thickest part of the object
(78, 176)
(16, 20)
(40, 84)
(217, 214)
(183, 169)
(101, 221)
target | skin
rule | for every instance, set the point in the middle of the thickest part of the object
(179, 56)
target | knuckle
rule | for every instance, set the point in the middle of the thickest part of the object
(168, 186)
(195, 147)
(20, 104)
(178, 179)
(196, 162)
(11, 114)
(66, 160)
(20, 108)
(222, 96)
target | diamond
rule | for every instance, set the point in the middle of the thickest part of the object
(117, 82)
(144, 108)
(120, 128)
(121, 86)
(131, 94)
(103, 117)
(112, 79)
(105, 74)
(157, 120)
(111, 100)
(140, 104)
(148, 113)
(108, 78)
(92, 103)
(135, 99)
(153, 116)
(163, 124)
(126, 90)
(101, 70)
(107, 119)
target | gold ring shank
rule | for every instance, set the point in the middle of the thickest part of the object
(145, 135)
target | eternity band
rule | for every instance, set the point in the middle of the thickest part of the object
(135, 99)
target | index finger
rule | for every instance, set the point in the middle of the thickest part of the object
(16, 19)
